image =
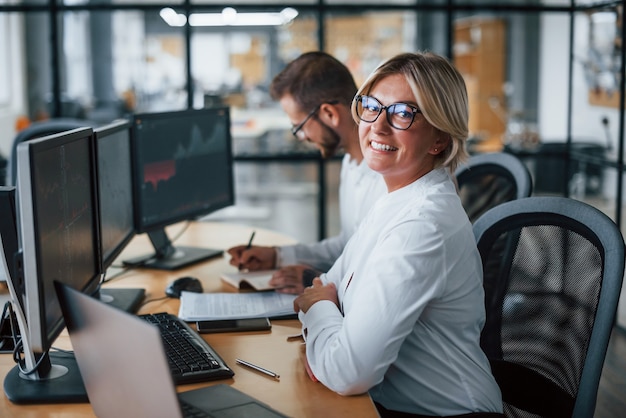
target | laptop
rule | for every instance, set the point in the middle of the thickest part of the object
(124, 367)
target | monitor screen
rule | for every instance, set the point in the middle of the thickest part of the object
(182, 164)
(115, 188)
(117, 211)
(58, 218)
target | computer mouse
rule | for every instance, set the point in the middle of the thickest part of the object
(187, 283)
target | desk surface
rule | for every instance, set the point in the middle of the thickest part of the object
(294, 395)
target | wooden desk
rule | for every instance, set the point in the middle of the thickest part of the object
(294, 395)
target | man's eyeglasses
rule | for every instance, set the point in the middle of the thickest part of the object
(297, 130)
(399, 115)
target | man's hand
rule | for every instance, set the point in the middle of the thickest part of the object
(253, 258)
(291, 279)
(314, 294)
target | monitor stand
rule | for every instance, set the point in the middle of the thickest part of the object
(168, 257)
(128, 300)
(61, 384)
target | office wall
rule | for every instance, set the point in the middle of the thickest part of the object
(553, 85)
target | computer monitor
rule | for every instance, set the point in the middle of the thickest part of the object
(59, 240)
(183, 169)
(115, 197)
(10, 247)
(8, 228)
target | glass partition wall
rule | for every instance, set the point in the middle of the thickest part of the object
(545, 78)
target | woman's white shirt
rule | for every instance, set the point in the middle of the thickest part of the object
(411, 308)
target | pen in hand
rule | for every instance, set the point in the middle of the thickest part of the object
(257, 368)
(248, 246)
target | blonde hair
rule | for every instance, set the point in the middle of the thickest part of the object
(440, 94)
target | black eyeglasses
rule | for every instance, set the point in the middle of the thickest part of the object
(399, 115)
(297, 130)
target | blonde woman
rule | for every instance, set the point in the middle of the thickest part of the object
(399, 314)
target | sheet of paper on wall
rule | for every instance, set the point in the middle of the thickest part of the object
(249, 280)
(207, 306)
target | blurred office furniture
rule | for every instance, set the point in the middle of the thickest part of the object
(69, 107)
(487, 180)
(3, 170)
(480, 55)
(264, 148)
(38, 130)
(553, 270)
(575, 169)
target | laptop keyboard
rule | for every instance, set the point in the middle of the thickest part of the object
(190, 357)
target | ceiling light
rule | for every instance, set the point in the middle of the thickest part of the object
(230, 17)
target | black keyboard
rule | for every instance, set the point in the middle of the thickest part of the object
(190, 357)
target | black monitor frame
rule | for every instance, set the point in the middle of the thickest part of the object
(10, 249)
(166, 255)
(8, 227)
(103, 134)
(47, 226)
(113, 149)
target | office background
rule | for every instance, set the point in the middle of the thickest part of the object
(544, 79)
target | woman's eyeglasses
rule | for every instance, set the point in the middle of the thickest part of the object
(399, 115)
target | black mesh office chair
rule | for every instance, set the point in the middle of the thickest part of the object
(487, 180)
(553, 270)
(38, 130)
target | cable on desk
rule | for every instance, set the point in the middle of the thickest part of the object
(153, 300)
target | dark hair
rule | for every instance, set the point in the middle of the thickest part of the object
(314, 78)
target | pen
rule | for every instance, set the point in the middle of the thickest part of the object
(250, 241)
(248, 246)
(257, 368)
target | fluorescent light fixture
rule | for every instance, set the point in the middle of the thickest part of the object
(229, 17)
(172, 18)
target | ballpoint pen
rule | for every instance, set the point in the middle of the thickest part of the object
(250, 240)
(248, 246)
(257, 368)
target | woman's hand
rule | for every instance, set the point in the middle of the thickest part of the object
(253, 258)
(314, 294)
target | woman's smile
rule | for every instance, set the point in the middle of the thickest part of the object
(379, 146)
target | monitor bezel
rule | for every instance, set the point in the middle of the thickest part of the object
(102, 133)
(41, 334)
(140, 225)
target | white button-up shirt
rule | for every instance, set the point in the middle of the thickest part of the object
(411, 308)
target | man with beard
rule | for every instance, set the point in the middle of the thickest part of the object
(316, 92)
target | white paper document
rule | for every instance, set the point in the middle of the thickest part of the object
(206, 306)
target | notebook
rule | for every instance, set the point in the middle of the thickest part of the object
(124, 368)
(249, 280)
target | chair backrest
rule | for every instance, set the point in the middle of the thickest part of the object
(38, 130)
(553, 270)
(487, 180)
